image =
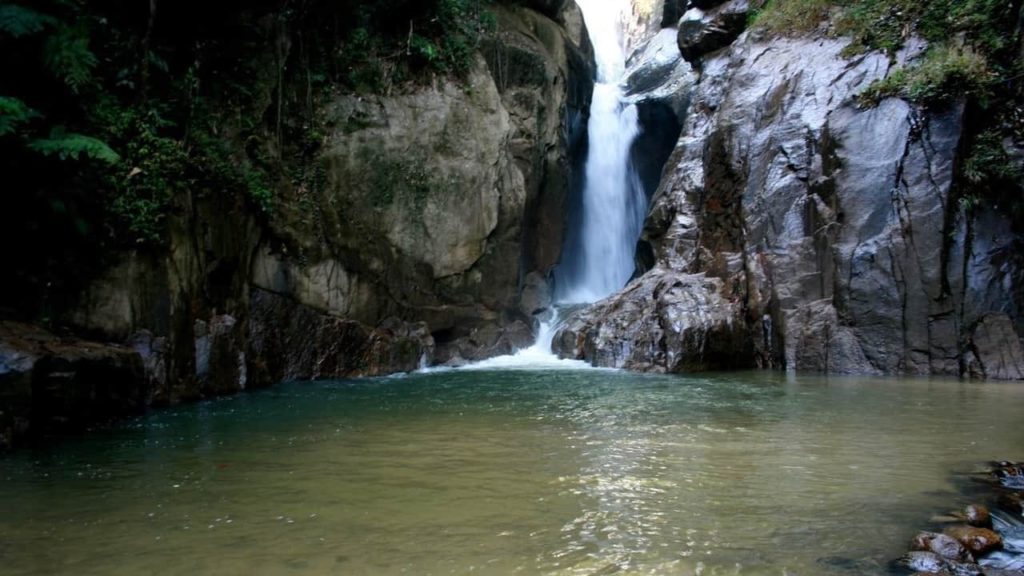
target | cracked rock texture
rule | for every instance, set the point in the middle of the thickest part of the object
(829, 231)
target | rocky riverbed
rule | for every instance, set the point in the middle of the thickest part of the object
(977, 540)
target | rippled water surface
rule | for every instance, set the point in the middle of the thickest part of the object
(511, 472)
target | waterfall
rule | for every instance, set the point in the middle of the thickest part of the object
(613, 207)
(614, 204)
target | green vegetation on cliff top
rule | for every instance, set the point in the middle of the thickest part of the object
(973, 54)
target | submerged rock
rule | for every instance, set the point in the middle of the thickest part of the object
(927, 562)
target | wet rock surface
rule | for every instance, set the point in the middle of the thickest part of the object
(835, 225)
(710, 26)
(51, 383)
(943, 545)
(290, 341)
(964, 549)
(979, 541)
(663, 322)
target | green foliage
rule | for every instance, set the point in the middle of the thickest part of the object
(215, 165)
(437, 36)
(990, 175)
(791, 16)
(13, 114)
(72, 146)
(17, 21)
(256, 187)
(887, 24)
(944, 73)
(153, 171)
(67, 56)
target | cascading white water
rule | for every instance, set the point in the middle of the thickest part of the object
(613, 199)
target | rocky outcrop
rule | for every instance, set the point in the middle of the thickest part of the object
(291, 341)
(658, 82)
(833, 228)
(709, 26)
(646, 18)
(664, 322)
(49, 383)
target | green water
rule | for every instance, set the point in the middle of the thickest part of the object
(506, 472)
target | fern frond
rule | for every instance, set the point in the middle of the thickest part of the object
(73, 146)
(13, 113)
(68, 57)
(17, 21)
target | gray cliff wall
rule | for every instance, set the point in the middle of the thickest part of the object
(793, 228)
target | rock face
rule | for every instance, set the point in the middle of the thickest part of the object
(404, 233)
(49, 383)
(658, 82)
(832, 228)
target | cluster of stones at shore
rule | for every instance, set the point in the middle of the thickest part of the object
(977, 542)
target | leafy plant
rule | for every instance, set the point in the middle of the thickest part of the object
(17, 21)
(68, 57)
(942, 74)
(13, 114)
(72, 146)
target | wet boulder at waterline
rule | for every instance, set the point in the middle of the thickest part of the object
(978, 541)
(943, 545)
(662, 322)
(52, 383)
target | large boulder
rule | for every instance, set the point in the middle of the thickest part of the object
(704, 30)
(421, 174)
(663, 322)
(49, 383)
